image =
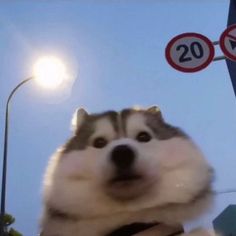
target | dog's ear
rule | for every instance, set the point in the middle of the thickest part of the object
(155, 110)
(77, 119)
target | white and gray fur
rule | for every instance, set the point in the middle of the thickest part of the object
(80, 198)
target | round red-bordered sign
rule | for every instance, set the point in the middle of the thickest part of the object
(228, 42)
(189, 52)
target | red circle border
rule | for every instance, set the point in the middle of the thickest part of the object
(195, 69)
(222, 45)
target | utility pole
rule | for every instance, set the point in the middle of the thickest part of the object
(232, 64)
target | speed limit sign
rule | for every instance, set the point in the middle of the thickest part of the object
(228, 42)
(190, 52)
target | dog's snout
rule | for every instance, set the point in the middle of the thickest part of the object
(123, 156)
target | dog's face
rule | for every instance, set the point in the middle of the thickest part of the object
(119, 161)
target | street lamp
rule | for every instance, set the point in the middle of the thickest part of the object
(50, 73)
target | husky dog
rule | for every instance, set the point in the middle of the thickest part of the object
(123, 169)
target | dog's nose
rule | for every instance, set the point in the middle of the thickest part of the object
(123, 157)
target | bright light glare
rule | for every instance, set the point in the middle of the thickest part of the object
(50, 72)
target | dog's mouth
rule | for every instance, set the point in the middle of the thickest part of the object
(127, 185)
(125, 178)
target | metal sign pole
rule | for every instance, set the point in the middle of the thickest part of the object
(231, 64)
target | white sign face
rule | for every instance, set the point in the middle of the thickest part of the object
(190, 52)
(228, 42)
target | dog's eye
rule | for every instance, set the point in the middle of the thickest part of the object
(143, 137)
(99, 142)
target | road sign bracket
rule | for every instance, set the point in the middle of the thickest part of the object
(215, 42)
(218, 58)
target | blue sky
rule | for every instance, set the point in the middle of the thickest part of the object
(115, 50)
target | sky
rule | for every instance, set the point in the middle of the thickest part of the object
(114, 50)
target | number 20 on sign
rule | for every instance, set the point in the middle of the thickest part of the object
(189, 52)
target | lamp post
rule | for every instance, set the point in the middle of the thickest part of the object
(5, 149)
(50, 72)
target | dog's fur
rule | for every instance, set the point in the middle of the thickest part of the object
(85, 195)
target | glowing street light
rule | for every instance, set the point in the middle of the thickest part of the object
(50, 73)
